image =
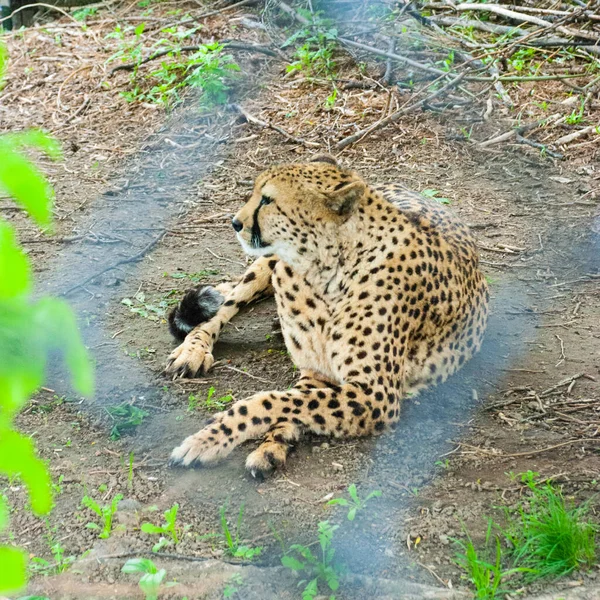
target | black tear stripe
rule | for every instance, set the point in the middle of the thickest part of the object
(256, 237)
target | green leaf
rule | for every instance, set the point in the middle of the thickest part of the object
(20, 179)
(13, 572)
(3, 61)
(353, 493)
(17, 456)
(150, 528)
(92, 526)
(338, 502)
(139, 565)
(352, 513)
(14, 267)
(292, 563)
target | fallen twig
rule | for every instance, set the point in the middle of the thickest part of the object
(351, 139)
(256, 121)
(499, 454)
(123, 261)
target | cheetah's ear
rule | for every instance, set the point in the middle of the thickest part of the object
(325, 158)
(345, 197)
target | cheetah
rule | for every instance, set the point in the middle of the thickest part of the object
(379, 295)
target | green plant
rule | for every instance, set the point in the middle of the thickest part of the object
(106, 514)
(29, 331)
(83, 13)
(355, 503)
(57, 487)
(126, 417)
(484, 572)
(233, 540)
(549, 535)
(151, 311)
(61, 562)
(194, 277)
(233, 586)
(576, 115)
(317, 570)
(445, 464)
(152, 578)
(207, 68)
(433, 194)
(216, 403)
(168, 531)
(315, 45)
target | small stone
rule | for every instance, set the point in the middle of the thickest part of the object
(389, 553)
(444, 539)
(337, 466)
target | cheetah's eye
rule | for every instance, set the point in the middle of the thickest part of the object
(265, 200)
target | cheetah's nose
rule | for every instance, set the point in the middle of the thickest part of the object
(237, 225)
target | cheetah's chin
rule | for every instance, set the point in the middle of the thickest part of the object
(253, 250)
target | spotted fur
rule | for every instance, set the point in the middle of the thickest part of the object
(379, 295)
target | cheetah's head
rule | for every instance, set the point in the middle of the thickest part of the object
(296, 208)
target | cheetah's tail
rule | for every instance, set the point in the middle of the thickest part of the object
(199, 304)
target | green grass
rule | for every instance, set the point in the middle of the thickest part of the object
(549, 534)
(484, 568)
(545, 537)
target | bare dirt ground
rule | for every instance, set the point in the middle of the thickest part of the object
(138, 182)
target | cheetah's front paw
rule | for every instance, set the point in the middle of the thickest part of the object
(191, 358)
(266, 458)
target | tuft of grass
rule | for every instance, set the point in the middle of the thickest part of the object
(547, 537)
(549, 534)
(484, 568)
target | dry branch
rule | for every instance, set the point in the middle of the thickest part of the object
(265, 125)
(351, 139)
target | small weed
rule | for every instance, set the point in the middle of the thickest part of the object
(233, 585)
(194, 277)
(83, 13)
(151, 311)
(355, 503)
(317, 570)
(152, 578)
(168, 531)
(106, 514)
(433, 194)
(315, 45)
(233, 540)
(126, 417)
(576, 116)
(445, 464)
(216, 403)
(57, 487)
(60, 562)
(192, 403)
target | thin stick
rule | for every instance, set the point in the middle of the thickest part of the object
(244, 373)
(124, 261)
(256, 121)
(351, 139)
(531, 452)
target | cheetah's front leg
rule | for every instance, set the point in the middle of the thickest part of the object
(194, 355)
